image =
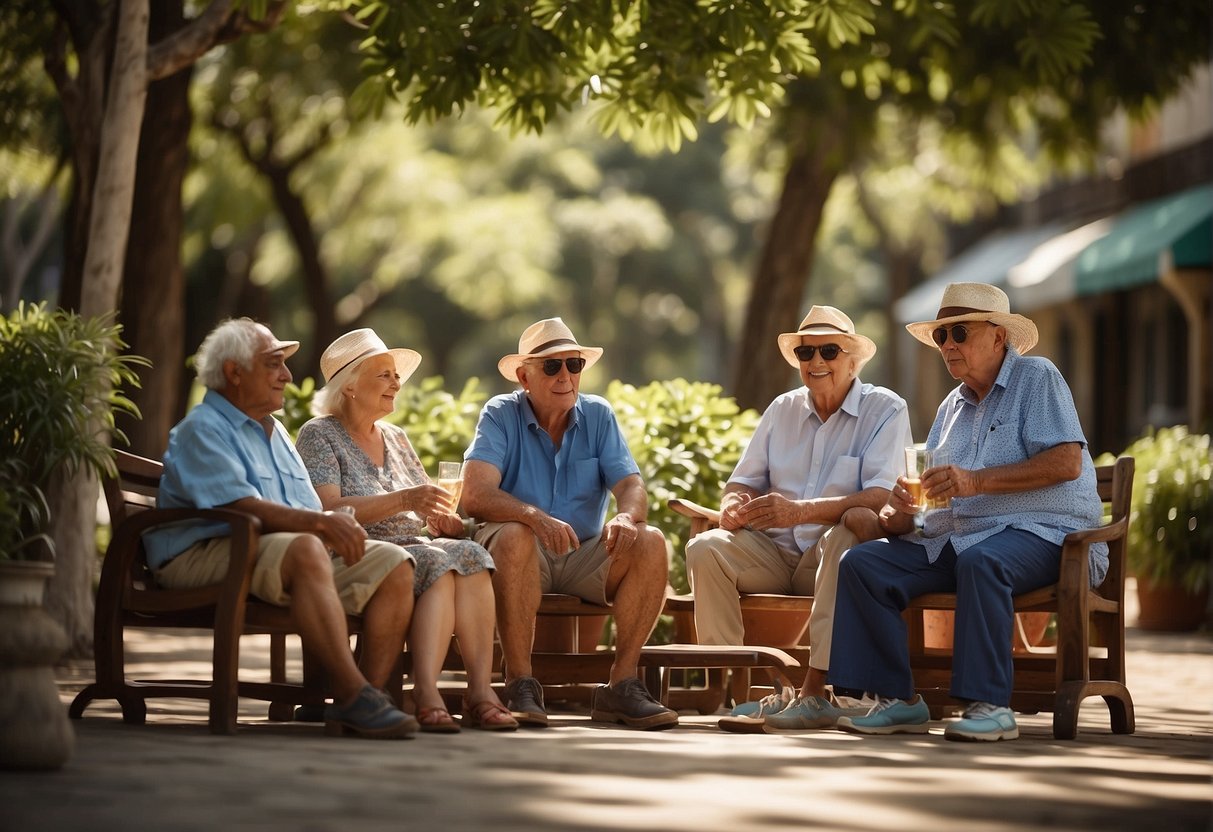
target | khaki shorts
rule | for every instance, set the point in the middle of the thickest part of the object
(205, 563)
(582, 572)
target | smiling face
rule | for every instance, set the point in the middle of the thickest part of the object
(375, 387)
(828, 381)
(258, 390)
(550, 395)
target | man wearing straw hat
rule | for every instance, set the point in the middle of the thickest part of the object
(1019, 478)
(540, 472)
(821, 451)
(231, 452)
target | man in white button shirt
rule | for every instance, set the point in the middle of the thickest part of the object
(832, 445)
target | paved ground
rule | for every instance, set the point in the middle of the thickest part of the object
(172, 775)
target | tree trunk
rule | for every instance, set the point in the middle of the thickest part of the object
(153, 297)
(783, 272)
(73, 500)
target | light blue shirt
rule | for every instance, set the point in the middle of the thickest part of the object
(862, 445)
(572, 483)
(217, 455)
(1028, 410)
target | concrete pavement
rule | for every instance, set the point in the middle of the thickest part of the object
(171, 774)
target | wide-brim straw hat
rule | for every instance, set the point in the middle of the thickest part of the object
(826, 320)
(978, 302)
(353, 348)
(541, 339)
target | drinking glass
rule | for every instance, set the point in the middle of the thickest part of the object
(918, 460)
(450, 479)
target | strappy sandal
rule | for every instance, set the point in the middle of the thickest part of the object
(488, 716)
(437, 721)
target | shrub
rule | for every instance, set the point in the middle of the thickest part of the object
(686, 438)
(61, 379)
(1171, 526)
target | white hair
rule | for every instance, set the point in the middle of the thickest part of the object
(329, 400)
(236, 339)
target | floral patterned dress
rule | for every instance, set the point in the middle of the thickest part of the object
(333, 458)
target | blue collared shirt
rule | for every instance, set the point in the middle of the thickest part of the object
(1028, 410)
(217, 455)
(572, 483)
(798, 455)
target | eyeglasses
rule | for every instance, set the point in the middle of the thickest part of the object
(551, 366)
(960, 333)
(829, 352)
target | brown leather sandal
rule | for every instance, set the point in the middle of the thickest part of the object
(488, 716)
(437, 721)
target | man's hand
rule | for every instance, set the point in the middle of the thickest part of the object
(554, 535)
(344, 536)
(771, 511)
(620, 533)
(730, 510)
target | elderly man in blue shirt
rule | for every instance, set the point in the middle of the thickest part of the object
(230, 452)
(1019, 478)
(820, 453)
(540, 472)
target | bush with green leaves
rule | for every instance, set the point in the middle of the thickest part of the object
(440, 425)
(61, 380)
(1171, 525)
(686, 438)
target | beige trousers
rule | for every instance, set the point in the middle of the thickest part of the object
(721, 564)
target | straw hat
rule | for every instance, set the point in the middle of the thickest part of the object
(977, 302)
(541, 339)
(826, 320)
(288, 348)
(355, 347)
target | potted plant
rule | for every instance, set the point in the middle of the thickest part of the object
(60, 381)
(1171, 527)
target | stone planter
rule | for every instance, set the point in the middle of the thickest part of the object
(34, 729)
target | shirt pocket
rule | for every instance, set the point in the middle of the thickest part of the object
(844, 478)
(584, 480)
(1002, 445)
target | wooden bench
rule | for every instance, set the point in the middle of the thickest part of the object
(129, 597)
(1080, 666)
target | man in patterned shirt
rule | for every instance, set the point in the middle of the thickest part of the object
(1019, 479)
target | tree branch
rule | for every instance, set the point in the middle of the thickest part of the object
(217, 24)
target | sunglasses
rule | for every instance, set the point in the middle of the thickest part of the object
(551, 366)
(960, 333)
(829, 352)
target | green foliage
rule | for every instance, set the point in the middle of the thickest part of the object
(1171, 527)
(61, 380)
(655, 68)
(686, 437)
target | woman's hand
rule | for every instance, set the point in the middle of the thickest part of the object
(445, 525)
(426, 500)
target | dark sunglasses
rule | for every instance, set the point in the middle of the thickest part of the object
(551, 366)
(960, 334)
(829, 352)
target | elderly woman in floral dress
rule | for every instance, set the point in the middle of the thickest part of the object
(355, 460)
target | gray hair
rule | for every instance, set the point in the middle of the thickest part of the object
(236, 339)
(329, 400)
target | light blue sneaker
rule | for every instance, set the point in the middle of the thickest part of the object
(809, 712)
(772, 703)
(890, 716)
(983, 722)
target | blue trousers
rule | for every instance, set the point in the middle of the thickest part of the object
(877, 580)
